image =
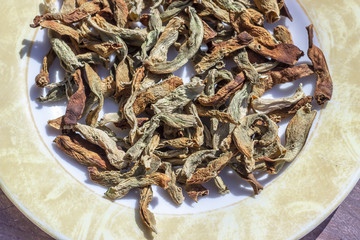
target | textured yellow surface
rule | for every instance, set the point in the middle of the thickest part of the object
(293, 204)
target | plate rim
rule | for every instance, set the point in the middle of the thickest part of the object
(42, 225)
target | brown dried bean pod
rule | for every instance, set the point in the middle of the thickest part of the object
(76, 103)
(283, 35)
(82, 12)
(270, 8)
(324, 85)
(83, 151)
(224, 93)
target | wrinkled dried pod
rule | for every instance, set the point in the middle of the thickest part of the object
(221, 50)
(295, 137)
(125, 185)
(283, 35)
(282, 52)
(169, 36)
(270, 8)
(100, 138)
(324, 85)
(195, 190)
(243, 22)
(88, 8)
(96, 88)
(285, 75)
(174, 191)
(186, 51)
(218, 12)
(61, 29)
(284, 11)
(261, 105)
(76, 103)
(42, 79)
(83, 151)
(224, 93)
(152, 94)
(253, 129)
(147, 217)
(120, 12)
(203, 175)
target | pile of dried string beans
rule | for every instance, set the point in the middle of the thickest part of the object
(179, 134)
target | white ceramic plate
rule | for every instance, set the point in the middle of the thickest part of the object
(57, 195)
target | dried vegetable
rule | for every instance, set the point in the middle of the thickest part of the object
(180, 134)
